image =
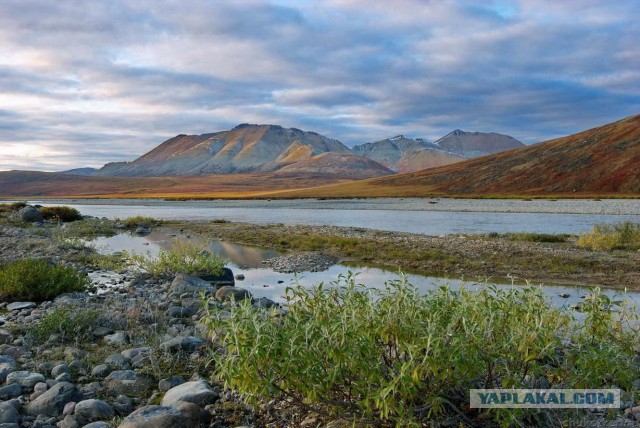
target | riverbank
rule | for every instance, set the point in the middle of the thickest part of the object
(492, 257)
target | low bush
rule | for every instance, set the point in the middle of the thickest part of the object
(133, 222)
(604, 237)
(12, 207)
(183, 257)
(38, 280)
(62, 214)
(395, 357)
(537, 237)
(64, 324)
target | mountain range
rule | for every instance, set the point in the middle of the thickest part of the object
(402, 154)
(272, 148)
(600, 161)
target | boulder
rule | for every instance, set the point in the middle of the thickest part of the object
(227, 293)
(52, 402)
(183, 283)
(30, 214)
(198, 392)
(158, 417)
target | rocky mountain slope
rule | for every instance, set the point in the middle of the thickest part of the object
(476, 144)
(403, 154)
(244, 149)
(599, 161)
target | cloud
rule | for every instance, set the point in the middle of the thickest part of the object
(87, 83)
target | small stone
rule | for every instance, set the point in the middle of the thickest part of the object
(8, 414)
(171, 382)
(181, 343)
(18, 306)
(52, 402)
(133, 352)
(59, 369)
(100, 371)
(198, 392)
(154, 417)
(25, 379)
(91, 410)
(68, 408)
(227, 293)
(117, 338)
(240, 277)
(102, 331)
(117, 361)
(10, 391)
(63, 377)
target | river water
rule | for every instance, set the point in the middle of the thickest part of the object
(425, 216)
(264, 281)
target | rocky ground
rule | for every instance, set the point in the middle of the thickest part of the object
(134, 352)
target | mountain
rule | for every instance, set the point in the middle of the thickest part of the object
(80, 171)
(476, 144)
(243, 149)
(403, 154)
(600, 161)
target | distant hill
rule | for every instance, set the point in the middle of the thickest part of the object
(403, 154)
(245, 149)
(80, 171)
(600, 161)
(476, 144)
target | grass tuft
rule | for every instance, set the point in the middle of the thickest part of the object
(38, 280)
(62, 214)
(605, 238)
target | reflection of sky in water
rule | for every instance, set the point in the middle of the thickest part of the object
(262, 281)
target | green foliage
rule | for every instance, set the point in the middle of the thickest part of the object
(537, 237)
(619, 236)
(395, 356)
(65, 323)
(183, 257)
(35, 279)
(133, 222)
(86, 228)
(62, 214)
(12, 207)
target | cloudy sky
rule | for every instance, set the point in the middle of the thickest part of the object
(87, 82)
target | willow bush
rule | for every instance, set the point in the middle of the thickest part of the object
(394, 356)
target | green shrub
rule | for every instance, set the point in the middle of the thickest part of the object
(12, 207)
(62, 214)
(394, 356)
(90, 227)
(35, 279)
(619, 236)
(65, 323)
(133, 222)
(182, 258)
(537, 237)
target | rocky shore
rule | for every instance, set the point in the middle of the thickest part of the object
(132, 352)
(136, 351)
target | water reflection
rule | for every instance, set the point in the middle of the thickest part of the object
(263, 281)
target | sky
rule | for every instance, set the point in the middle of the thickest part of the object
(85, 82)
